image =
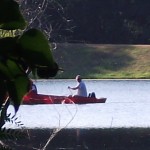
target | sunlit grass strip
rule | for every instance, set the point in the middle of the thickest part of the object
(102, 61)
(9, 33)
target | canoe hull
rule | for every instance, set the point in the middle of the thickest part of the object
(33, 98)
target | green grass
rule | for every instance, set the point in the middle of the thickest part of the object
(103, 61)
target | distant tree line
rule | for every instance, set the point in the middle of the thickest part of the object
(96, 21)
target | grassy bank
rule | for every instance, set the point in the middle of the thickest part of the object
(103, 61)
(87, 139)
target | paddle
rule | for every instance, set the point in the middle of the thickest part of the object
(70, 90)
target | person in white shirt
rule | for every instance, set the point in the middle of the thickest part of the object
(80, 87)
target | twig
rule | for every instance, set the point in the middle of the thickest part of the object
(56, 131)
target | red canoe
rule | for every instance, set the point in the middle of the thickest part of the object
(33, 98)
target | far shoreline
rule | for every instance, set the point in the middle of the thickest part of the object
(87, 79)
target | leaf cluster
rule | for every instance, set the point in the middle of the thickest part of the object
(9, 134)
(6, 134)
(28, 51)
(14, 120)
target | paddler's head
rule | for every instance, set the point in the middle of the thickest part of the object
(78, 78)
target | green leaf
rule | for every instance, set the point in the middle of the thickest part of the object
(4, 72)
(46, 72)
(10, 15)
(14, 69)
(17, 89)
(35, 48)
(8, 49)
(16, 80)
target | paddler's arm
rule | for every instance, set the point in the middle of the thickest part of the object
(73, 88)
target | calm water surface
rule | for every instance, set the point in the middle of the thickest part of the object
(127, 105)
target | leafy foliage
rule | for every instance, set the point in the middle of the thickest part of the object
(11, 17)
(20, 55)
(98, 21)
(14, 120)
(30, 50)
(50, 17)
(11, 134)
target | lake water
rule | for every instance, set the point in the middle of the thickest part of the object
(127, 105)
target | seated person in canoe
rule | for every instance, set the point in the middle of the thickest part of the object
(80, 87)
